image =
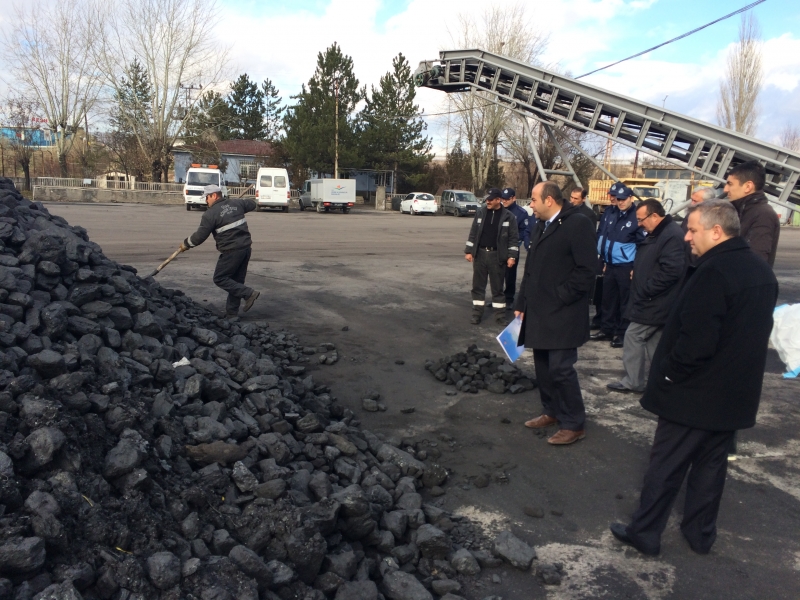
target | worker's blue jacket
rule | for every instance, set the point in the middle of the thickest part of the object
(522, 219)
(617, 236)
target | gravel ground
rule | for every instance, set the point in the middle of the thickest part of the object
(400, 286)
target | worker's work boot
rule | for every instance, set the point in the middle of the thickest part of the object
(500, 316)
(477, 313)
(248, 304)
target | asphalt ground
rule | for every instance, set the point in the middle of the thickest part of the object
(400, 285)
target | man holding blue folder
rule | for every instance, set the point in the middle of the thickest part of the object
(553, 301)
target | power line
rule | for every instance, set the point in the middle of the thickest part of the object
(680, 37)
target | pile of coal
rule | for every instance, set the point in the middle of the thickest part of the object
(478, 369)
(149, 449)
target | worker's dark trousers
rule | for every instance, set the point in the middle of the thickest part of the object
(676, 450)
(229, 274)
(486, 265)
(511, 284)
(616, 289)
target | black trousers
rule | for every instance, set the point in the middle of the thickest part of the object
(597, 301)
(486, 265)
(230, 274)
(511, 284)
(559, 388)
(678, 449)
(616, 289)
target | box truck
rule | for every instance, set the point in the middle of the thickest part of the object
(325, 195)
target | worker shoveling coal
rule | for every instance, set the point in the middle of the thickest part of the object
(225, 220)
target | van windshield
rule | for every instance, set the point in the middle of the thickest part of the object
(466, 197)
(200, 178)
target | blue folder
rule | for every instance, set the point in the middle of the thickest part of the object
(508, 339)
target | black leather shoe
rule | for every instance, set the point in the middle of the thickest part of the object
(595, 326)
(599, 336)
(617, 342)
(620, 532)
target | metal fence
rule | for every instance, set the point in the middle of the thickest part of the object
(142, 186)
(103, 184)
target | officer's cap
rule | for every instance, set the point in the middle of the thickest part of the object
(623, 192)
(508, 194)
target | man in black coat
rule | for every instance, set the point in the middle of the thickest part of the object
(658, 270)
(553, 301)
(761, 226)
(705, 382)
(492, 246)
(577, 198)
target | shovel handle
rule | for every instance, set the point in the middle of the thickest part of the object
(165, 263)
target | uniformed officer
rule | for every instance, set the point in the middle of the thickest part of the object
(509, 200)
(493, 245)
(225, 220)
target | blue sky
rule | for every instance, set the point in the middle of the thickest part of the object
(283, 40)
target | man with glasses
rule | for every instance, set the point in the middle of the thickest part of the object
(657, 273)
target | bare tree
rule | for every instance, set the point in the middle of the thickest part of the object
(173, 41)
(18, 115)
(47, 49)
(790, 137)
(500, 30)
(737, 107)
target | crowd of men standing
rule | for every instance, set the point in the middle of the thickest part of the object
(690, 304)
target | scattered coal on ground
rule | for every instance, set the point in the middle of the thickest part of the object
(149, 449)
(478, 369)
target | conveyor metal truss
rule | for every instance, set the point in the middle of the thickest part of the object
(555, 100)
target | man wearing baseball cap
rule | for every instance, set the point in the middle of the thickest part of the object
(225, 220)
(509, 200)
(493, 245)
(616, 244)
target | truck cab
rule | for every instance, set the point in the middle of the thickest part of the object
(198, 177)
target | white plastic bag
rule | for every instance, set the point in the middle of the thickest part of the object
(786, 337)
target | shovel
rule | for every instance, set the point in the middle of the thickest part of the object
(178, 251)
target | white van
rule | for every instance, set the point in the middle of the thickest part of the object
(198, 177)
(272, 188)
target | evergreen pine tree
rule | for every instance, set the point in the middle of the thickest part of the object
(310, 124)
(273, 111)
(393, 136)
(246, 103)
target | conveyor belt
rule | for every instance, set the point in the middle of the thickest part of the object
(555, 100)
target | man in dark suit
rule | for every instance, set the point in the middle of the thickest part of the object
(705, 381)
(554, 304)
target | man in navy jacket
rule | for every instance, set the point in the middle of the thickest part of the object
(509, 200)
(616, 243)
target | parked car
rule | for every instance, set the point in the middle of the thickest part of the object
(459, 203)
(418, 203)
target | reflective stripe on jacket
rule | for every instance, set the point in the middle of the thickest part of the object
(226, 222)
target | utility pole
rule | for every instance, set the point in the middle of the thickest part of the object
(336, 143)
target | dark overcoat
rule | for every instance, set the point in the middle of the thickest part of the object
(559, 274)
(761, 226)
(658, 271)
(709, 365)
